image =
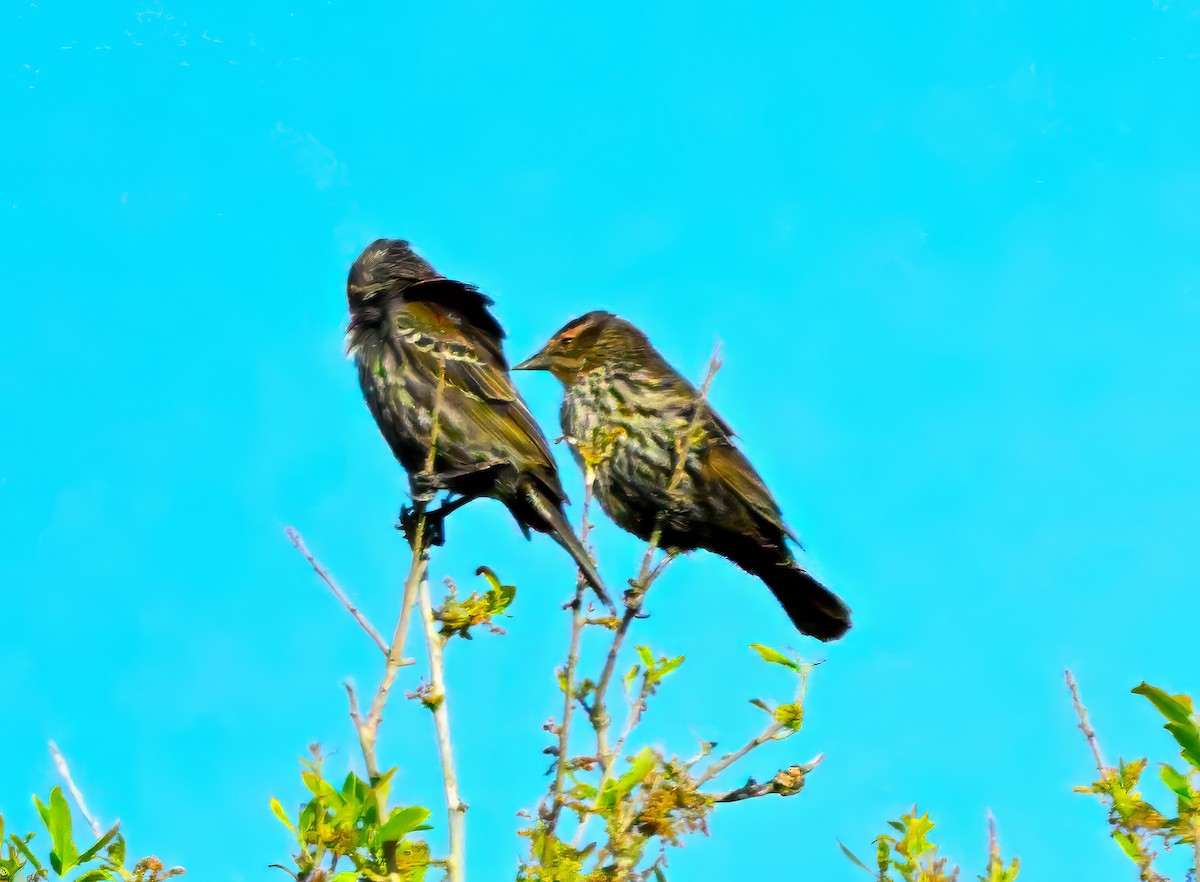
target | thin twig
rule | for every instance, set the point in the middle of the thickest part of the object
(636, 708)
(61, 762)
(767, 734)
(993, 846)
(787, 782)
(578, 617)
(1084, 723)
(294, 535)
(456, 809)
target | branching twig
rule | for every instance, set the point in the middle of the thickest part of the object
(636, 707)
(578, 618)
(60, 762)
(787, 782)
(456, 809)
(768, 734)
(993, 863)
(1084, 723)
(297, 540)
(775, 731)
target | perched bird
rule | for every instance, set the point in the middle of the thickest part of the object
(412, 332)
(627, 414)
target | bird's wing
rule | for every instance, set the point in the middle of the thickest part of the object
(432, 335)
(468, 304)
(734, 471)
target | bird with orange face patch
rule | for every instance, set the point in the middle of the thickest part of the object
(626, 413)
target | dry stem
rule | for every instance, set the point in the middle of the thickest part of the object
(1084, 723)
(60, 762)
(578, 618)
(456, 870)
(787, 782)
(297, 540)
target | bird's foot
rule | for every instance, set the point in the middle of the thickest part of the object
(434, 532)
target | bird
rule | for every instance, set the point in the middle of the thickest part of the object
(628, 416)
(423, 342)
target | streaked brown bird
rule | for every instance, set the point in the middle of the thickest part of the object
(412, 331)
(627, 412)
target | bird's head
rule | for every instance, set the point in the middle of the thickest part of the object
(386, 265)
(586, 343)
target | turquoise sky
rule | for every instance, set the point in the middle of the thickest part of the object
(951, 254)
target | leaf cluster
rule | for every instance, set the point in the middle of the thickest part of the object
(103, 859)
(459, 616)
(910, 856)
(1135, 822)
(342, 826)
(652, 802)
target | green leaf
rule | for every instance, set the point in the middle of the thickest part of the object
(277, 808)
(65, 855)
(848, 853)
(1188, 739)
(22, 846)
(1128, 844)
(607, 800)
(638, 770)
(774, 656)
(631, 676)
(116, 851)
(494, 580)
(346, 876)
(659, 875)
(401, 822)
(1173, 708)
(43, 811)
(1176, 783)
(95, 875)
(99, 844)
(645, 655)
(665, 668)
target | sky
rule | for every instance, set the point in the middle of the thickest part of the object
(949, 251)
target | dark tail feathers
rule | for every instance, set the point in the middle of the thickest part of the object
(813, 608)
(564, 535)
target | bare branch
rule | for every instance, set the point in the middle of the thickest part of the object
(60, 762)
(768, 734)
(297, 540)
(456, 809)
(787, 782)
(637, 706)
(1084, 723)
(578, 618)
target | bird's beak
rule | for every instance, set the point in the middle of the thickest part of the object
(539, 361)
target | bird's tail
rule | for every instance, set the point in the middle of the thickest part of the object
(560, 529)
(813, 608)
